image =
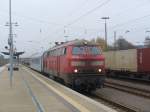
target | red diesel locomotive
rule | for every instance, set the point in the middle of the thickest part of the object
(79, 64)
(76, 63)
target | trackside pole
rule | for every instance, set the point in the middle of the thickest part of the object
(10, 44)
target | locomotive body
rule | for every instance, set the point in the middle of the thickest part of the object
(79, 64)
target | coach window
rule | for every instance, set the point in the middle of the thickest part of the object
(44, 55)
(59, 52)
(52, 53)
(47, 54)
(56, 52)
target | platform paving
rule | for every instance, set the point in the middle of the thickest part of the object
(15, 99)
(31, 92)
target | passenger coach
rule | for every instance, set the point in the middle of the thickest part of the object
(79, 64)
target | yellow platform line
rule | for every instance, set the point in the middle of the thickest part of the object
(80, 107)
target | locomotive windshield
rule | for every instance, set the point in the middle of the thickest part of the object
(81, 50)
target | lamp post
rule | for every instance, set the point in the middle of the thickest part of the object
(10, 42)
(147, 38)
(126, 32)
(115, 39)
(105, 18)
(147, 31)
(65, 34)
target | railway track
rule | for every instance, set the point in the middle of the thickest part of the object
(122, 107)
(129, 89)
(119, 106)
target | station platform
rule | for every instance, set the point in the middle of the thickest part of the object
(32, 92)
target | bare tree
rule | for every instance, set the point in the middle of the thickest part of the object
(147, 41)
(100, 41)
(122, 44)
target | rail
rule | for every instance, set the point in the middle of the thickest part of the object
(120, 105)
(129, 89)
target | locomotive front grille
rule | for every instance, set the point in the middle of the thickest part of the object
(84, 71)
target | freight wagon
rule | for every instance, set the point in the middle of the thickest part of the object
(132, 63)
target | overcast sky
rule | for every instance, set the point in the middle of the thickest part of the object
(42, 22)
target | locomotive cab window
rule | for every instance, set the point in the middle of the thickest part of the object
(81, 50)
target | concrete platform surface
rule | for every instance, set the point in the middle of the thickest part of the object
(32, 92)
(15, 99)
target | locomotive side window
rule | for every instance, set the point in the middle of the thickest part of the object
(95, 50)
(64, 51)
(92, 50)
(77, 50)
(57, 52)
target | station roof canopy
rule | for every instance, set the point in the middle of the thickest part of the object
(15, 54)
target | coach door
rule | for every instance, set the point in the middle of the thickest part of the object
(58, 62)
(58, 65)
(60, 56)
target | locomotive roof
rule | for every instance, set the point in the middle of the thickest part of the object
(75, 43)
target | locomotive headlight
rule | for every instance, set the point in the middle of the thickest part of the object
(99, 70)
(97, 63)
(75, 70)
(77, 63)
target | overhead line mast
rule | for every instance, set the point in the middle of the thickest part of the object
(10, 44)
